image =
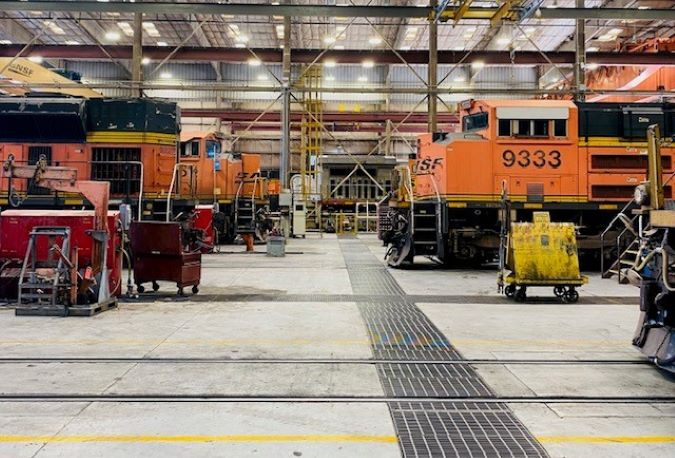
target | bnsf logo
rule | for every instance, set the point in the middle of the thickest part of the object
(427, 164)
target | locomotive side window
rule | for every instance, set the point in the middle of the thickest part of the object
(474, 121)
(190, 149)
(531, 128)
(532, 121)
(540, 127)
(504, 128)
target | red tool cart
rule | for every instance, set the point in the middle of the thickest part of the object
(159, 253)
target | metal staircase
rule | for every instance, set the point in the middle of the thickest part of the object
(626, 246)
(244, 210)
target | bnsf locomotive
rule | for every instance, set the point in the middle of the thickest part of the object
(135, 145)
(580, 162)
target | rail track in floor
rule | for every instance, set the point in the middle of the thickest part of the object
(331, 361)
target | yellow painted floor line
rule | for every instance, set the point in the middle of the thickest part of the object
(199, 438)
(606, 439)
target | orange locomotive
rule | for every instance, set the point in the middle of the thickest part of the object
(580, 162)
(133, 144)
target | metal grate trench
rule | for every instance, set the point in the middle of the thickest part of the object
(399, 330)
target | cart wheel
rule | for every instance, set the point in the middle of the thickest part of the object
(521, 294)
(510, 291)
(571, 296)
(559, 291)
(155, 286)
(195, 289)
(181, 292)
(140, 289)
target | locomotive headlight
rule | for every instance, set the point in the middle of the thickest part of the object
(641, 195)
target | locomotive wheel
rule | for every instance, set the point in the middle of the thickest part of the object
(559, 291)
(521, 294)
(510, 291)
(140, 289)
(571, 296)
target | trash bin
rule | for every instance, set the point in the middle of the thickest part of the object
(276, 246)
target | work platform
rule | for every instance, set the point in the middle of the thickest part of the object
(326, 352)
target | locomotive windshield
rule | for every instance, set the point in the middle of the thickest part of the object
(213, 148)
(474, 122)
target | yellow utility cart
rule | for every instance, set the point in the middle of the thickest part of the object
(540, 253)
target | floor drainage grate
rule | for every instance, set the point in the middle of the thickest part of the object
(399, 330)
(461, 430)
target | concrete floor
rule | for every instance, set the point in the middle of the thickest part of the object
(170, 328)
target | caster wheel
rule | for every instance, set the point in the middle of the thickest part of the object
(559, 291)
(140, 289)
(510, 291)
(571, 296)
(155, 286)
(195, 289)
(181, 292)
(521, 295)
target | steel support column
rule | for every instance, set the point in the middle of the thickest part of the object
(432, 101)
(580, 57)
(137, 56)
(285, 153)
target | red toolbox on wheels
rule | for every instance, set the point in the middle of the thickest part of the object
(159, 254)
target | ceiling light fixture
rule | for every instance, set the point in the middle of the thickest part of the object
(374, 41)
(72, 42)
(329, 63)
(477, 65)
(368, 64)
(151, 29)
(112, 36)
(145, 61)
(162, 43)
(126, 28)
(240, 45)
(5, 42)
(254, 62)
(328, 40)
(330, 78)
(363, 79)
(36, 59)
(165, 75)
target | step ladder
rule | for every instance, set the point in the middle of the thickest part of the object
(47, 282)
(626, 244)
